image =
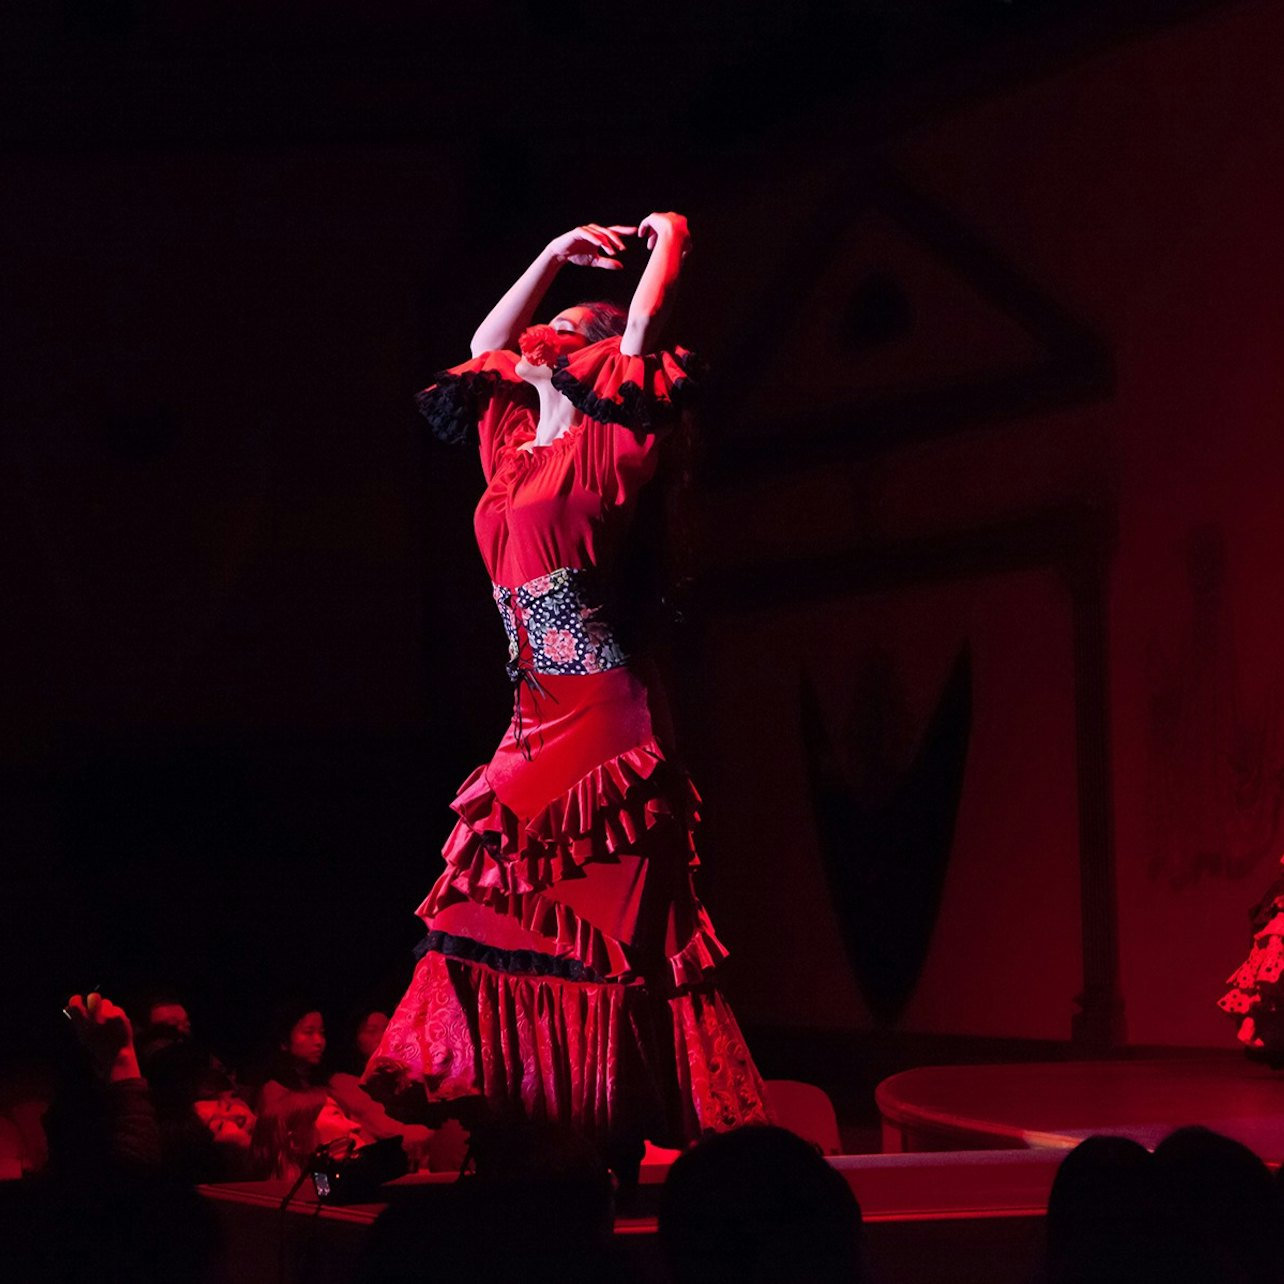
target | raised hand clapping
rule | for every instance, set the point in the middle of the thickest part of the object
(104, 1031)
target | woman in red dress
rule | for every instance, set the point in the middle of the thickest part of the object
(1256, 996)
(565, 975)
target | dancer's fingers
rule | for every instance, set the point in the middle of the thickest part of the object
(616, 239)
(604, 238)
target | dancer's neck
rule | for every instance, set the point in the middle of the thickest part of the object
(556, 414)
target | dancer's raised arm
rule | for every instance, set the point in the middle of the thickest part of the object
(668, 240)
(590, 245)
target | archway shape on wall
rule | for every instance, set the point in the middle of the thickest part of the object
(831, 318)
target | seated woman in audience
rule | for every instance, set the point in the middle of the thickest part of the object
(296, 1111)
(204, 1123)
(362, 1032)
(346, 1089)
(220, 1106)
(302, 1105)
(286, 1134)
(297, 1063)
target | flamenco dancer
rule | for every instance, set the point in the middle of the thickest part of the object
(1256, 996)
(566, 971)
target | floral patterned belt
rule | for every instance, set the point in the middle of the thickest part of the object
(556, 623)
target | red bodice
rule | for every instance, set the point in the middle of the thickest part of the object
(567, 504)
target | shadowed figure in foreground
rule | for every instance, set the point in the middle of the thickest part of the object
(759, 1206)
(537, 1211)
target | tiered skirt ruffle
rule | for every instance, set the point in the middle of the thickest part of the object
(632, 804)
(623, 1036)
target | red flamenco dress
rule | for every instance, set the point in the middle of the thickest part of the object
(565, 975)
(1256, 996)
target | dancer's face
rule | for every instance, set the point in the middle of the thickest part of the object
(307, 1039)
(570, 323)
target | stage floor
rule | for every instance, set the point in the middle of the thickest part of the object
(1056, 1105)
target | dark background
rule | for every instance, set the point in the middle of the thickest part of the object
(990, 291)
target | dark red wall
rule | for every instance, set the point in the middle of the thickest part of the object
(1139, 193)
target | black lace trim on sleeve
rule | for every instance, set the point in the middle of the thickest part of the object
(523, 962)
(455, 402)
(632, 407)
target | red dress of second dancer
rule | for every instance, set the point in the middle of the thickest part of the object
(566, 971)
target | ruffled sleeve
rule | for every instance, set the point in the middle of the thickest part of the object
(631, 404)
(473, 403)
(646, 394)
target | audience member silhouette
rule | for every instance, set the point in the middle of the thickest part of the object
(105, 1211)
(759, 1206)
(537, 1211)
(1220, 1212)
(1101, 1224)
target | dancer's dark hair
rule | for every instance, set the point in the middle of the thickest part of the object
(608, 320)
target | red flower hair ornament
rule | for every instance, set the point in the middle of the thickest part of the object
(539, 345)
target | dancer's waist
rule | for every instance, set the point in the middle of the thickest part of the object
(559, 623)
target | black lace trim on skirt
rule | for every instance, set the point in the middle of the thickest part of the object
(519, 962)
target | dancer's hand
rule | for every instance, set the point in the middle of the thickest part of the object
(668, 226)
(668, 239)
(105, 1032)
(591, 245)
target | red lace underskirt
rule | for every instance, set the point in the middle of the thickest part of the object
(606, 1058)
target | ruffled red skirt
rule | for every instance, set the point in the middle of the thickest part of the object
(567, 970)
(1256, 996)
